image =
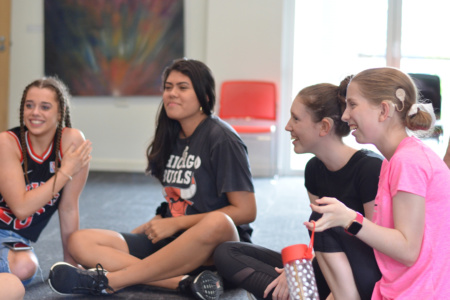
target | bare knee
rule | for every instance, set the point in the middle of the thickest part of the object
(77, 237)
(11, 287)
(218, 228)
(76, 240)
(79, 242)
(23, 264)
(86, 246)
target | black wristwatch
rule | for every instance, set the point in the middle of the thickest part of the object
(355, 226)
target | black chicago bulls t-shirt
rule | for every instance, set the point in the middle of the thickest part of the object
(204, 167)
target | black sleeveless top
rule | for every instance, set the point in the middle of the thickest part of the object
(40, 169)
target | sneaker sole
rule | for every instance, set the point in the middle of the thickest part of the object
(49, 281)
(213, 280)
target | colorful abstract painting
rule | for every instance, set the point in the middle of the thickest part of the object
(112, 47)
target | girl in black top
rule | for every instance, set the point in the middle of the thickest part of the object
(203, 167)
(38, 159)
(337, 170)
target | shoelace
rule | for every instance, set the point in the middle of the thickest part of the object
(98, 284)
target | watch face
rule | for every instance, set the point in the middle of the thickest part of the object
(354, 228)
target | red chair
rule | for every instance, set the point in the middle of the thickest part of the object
(250, 107)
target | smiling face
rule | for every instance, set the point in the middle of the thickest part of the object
(361, 115)
(304, 131)
(41, 111)
(180, 100)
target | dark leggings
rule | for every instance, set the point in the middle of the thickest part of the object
(247, 266)
(251, 267)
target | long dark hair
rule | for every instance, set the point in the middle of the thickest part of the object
(63, 100)
(167, 130)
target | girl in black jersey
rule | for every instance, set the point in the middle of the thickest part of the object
(337, 170)
(38, 159)
(203, 167)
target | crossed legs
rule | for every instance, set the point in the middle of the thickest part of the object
(165, 267)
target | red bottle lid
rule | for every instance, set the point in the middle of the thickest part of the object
(298, 251)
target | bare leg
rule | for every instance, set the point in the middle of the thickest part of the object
(11, 287)
(338, 274)
(23, 264)
(165, 267)
(189, 251)
(91, 246)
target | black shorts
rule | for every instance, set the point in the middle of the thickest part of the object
(140, 246)
(332, 240)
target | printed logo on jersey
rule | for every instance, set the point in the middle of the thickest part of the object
(178, 198)
(52, 167)
(179, 181)
(7, 216)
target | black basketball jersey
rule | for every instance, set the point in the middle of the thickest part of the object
(40, 169)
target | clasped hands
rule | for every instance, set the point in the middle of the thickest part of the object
(158, 228)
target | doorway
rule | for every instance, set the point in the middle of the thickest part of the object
(5, 31)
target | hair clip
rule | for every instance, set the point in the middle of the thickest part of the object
(400, 94)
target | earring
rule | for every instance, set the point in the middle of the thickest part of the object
(201, 108)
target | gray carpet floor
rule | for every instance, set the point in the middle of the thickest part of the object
(122, 201)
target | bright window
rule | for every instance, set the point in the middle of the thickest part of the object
(425, 49)
(334, 39)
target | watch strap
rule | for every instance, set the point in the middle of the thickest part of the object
(355, 226)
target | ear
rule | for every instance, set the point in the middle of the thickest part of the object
(325, 126)
(387, 110)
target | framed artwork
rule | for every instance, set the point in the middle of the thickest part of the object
(112, 47)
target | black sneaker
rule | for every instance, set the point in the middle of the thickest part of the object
(207, 286)
(66, 279)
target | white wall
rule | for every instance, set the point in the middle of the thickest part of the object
(238, 39)
(253, 39)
